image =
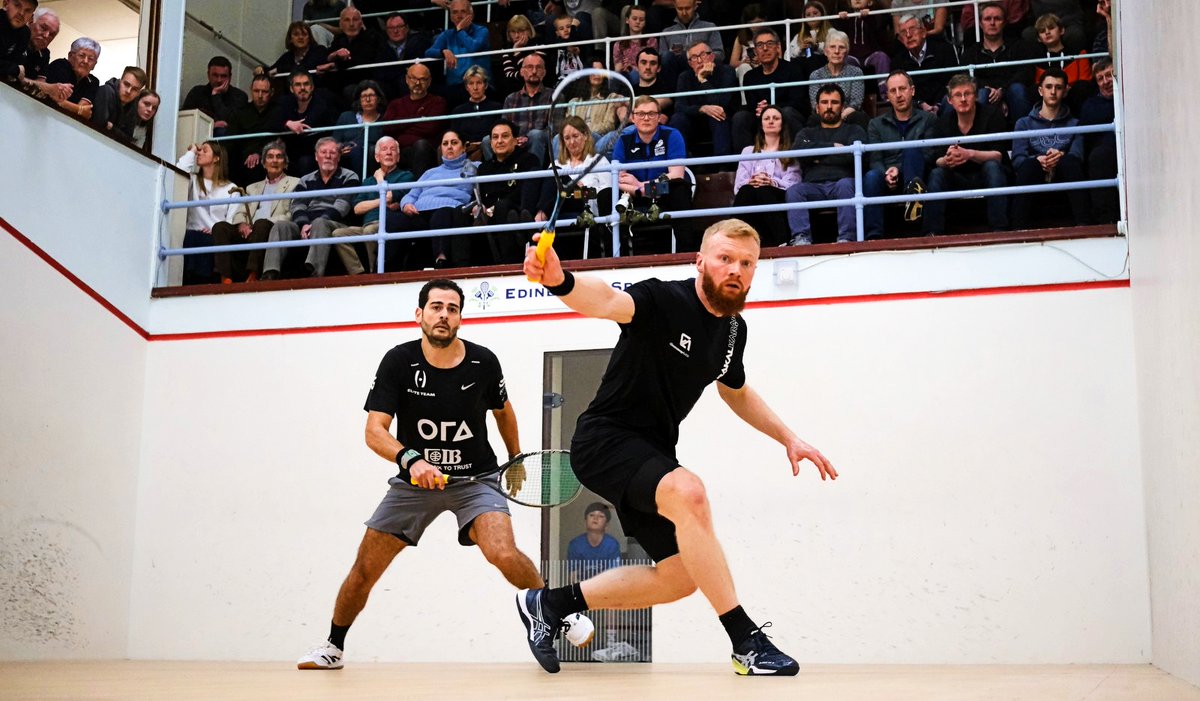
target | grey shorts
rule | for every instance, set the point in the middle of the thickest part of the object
(406, 511)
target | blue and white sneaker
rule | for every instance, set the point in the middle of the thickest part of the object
(758, 656)
(541, 627)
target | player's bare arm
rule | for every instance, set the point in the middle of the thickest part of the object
(506, 424)
(753, 409)
(590, 296)
(385, 445)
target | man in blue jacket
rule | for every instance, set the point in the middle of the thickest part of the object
(462, 37)
(1053, 158)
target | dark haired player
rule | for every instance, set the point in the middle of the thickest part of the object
(677, 337)
(440, 389)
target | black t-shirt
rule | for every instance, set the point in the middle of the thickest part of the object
(441, 413)
(60, 71)
(666, 356)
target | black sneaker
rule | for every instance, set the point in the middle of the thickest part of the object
(913, 209)
(758, 655)
(541, 627)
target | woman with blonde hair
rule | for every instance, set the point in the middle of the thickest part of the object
(578, 152)
(520, 42)
(208, 166)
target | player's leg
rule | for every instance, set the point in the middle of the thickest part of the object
(492, 532)
(639, 586)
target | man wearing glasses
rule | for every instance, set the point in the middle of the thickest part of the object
(710, 104)
(648, 141)
(792, 102)
(398, 45)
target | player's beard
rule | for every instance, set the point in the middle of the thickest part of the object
(724, 302)
(441, 341)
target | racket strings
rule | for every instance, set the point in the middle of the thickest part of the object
(548, 480)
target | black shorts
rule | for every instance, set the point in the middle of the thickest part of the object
(625, 469)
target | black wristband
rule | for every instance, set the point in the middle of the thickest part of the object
(405, 458)
(565, 287)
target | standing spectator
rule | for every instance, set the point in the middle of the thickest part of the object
(1101, 149)
(809, 39)
(1006, 87)
(438, 206)
(42, 31)
(416, 138)
(255, 117)
(648, 141)
(625, 51)
(870, 39)
(648, 67)
(303, 52)
(143, 126)
(315, 217)
(520, 43)
(399, 44)
(706, 108)
(896, 169)
(355, 46)
(921, 52)
(75, 71)
(368, 106)
(764, 182)
(299, 112)
(791, 101)
(208, 169)
(969, 166)
(366, 205)
(836, 70)
(933, 19)
(216, 98)
(825, 177)
(14, 38)
(1051, 158)
(472, 127)
(1070, 17)
(686, 19)
(509, 201)
(594, 550)
(533, 101)
(462, 37)
(252, 221)
(114, 107)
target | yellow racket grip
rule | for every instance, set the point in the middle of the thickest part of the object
(545, 241)
(444, 479)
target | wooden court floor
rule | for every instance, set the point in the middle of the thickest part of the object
(221, 681)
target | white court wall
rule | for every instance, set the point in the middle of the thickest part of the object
(1165, 261)
(989, 508)
(70, 424)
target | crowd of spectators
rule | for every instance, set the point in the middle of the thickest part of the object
(341, 69)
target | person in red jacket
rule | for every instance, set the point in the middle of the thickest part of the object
(417, 139)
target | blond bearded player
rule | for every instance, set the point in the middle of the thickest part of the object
(677, 337)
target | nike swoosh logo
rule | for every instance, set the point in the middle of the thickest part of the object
(468, 386)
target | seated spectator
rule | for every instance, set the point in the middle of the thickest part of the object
(299, 112)
(42, 31)
(764, 182)
(969, 166)
(1078, 70)
(75, 71)
(474, 129)
(143, 126)
(1054, 158)
(593, 193)
(433, 207)
(891, 170)
(114, 106)
(825, 177)
(1006, 87)
(742, 56)
(602, 118)
(649, 82)
(837, 45)
(647, 141)
(932, 19)
(1101, 149)
(920, 52)
(355, 46)
(14, 38)
(808, 39)
(521, 44)
(625, 51)
(258, 116)
(208, 167)
(252, 222)
(581, 22)
(532, 123)
(462, 37)
(303, 52)
(790, 101)
(697, 30)
(1016, 18)
(399, 44)
(368, 104)
(509, 201)
(594, 550)
(316, 217)
(567, 59)
(1070, 18)
(366, 205)
(416, 138)
(870, 38)
(216, 98)
(705, 109)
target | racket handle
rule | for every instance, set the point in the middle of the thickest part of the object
(444, 479)
(545, 241)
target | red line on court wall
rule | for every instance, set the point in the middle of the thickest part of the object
(380, 326)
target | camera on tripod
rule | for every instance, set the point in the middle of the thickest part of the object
(658, 187)
(579, 192)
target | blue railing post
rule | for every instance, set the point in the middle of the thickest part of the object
(615, 174)
(381, 242)
(858, 190)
